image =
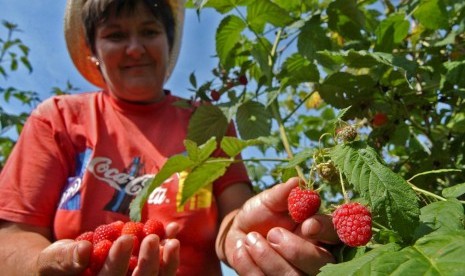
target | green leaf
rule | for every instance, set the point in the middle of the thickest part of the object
(174, 164)
(342, 89)
(435, 254)
(312, 38)
(253, 120)
(203, 175)
(222, 6)
(454, 191)
(232, 146)
(206, 122)
(300, 158)
(455, 72)
(392, 200)
(199, 154)
(391, 31)
(262, 12)
(228, 35)
(432, 14)
(441, 216)
(297, 69)
(346, 19)
(358, 266)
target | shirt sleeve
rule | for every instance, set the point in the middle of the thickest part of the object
(33, 177)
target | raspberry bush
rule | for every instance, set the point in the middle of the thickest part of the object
(319, 74)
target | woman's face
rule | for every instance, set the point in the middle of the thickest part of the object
(132, 50)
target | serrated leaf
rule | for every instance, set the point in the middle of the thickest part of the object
(232, 146)
(197, 153)
(228, 35)
(454, 191)
(392, 200)
(312, 38)
(174, 164)
(262, 12)
(432, 14)
(297, 69)
(203, 175)
(358, 266)
(345, 18)
(206, 122)
(391, 32)
(441, 216)
(435, 254)
(300, 158)
(253, 120)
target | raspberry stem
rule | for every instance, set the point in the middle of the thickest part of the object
(344, 193)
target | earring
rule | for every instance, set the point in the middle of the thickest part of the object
(95, 61)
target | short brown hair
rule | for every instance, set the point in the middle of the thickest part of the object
(97, 11)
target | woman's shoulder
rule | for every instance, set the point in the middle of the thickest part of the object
(68, 103)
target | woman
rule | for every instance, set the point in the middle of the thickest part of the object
(80, 160)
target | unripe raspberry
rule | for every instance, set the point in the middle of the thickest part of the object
(347, 133)
(352, 222)
(327, 171)
(303, 203)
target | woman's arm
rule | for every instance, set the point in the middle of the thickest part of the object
(27, 250)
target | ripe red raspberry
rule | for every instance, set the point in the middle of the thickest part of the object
(302, 203)
(106, 232)
(132, 264)
(99, 255)
(135, 229)
(242, 80)
(86, 236)
(353, 224)
(379, 120)
(154, 226)
(215, 95)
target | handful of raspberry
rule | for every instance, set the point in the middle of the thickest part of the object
(104, 235)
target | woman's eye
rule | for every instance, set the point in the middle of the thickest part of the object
(115, 36)
(150, 32)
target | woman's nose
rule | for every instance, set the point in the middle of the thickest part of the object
(135, 47)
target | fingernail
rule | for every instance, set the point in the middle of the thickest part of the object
(275, 236)
(239, 244)
(252, 238)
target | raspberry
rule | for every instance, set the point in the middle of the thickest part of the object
(153, 226)
(353, 224)
(135, 229)
(99, 255)
(132, 263)
(86, 236)
(347, 133)
(327, 171)
(379, 119)
(242, 80)
(106, 232)
(303, 204)
(215, 95)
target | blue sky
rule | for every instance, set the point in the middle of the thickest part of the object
(41, 22)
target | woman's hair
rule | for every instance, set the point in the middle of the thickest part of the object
(95, 12)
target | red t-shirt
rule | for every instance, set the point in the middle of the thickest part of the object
(81, 158)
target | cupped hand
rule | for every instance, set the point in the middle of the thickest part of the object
(69, 257)
(264, 240)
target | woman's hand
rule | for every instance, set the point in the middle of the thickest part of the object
(69, 257)
(264, 240)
